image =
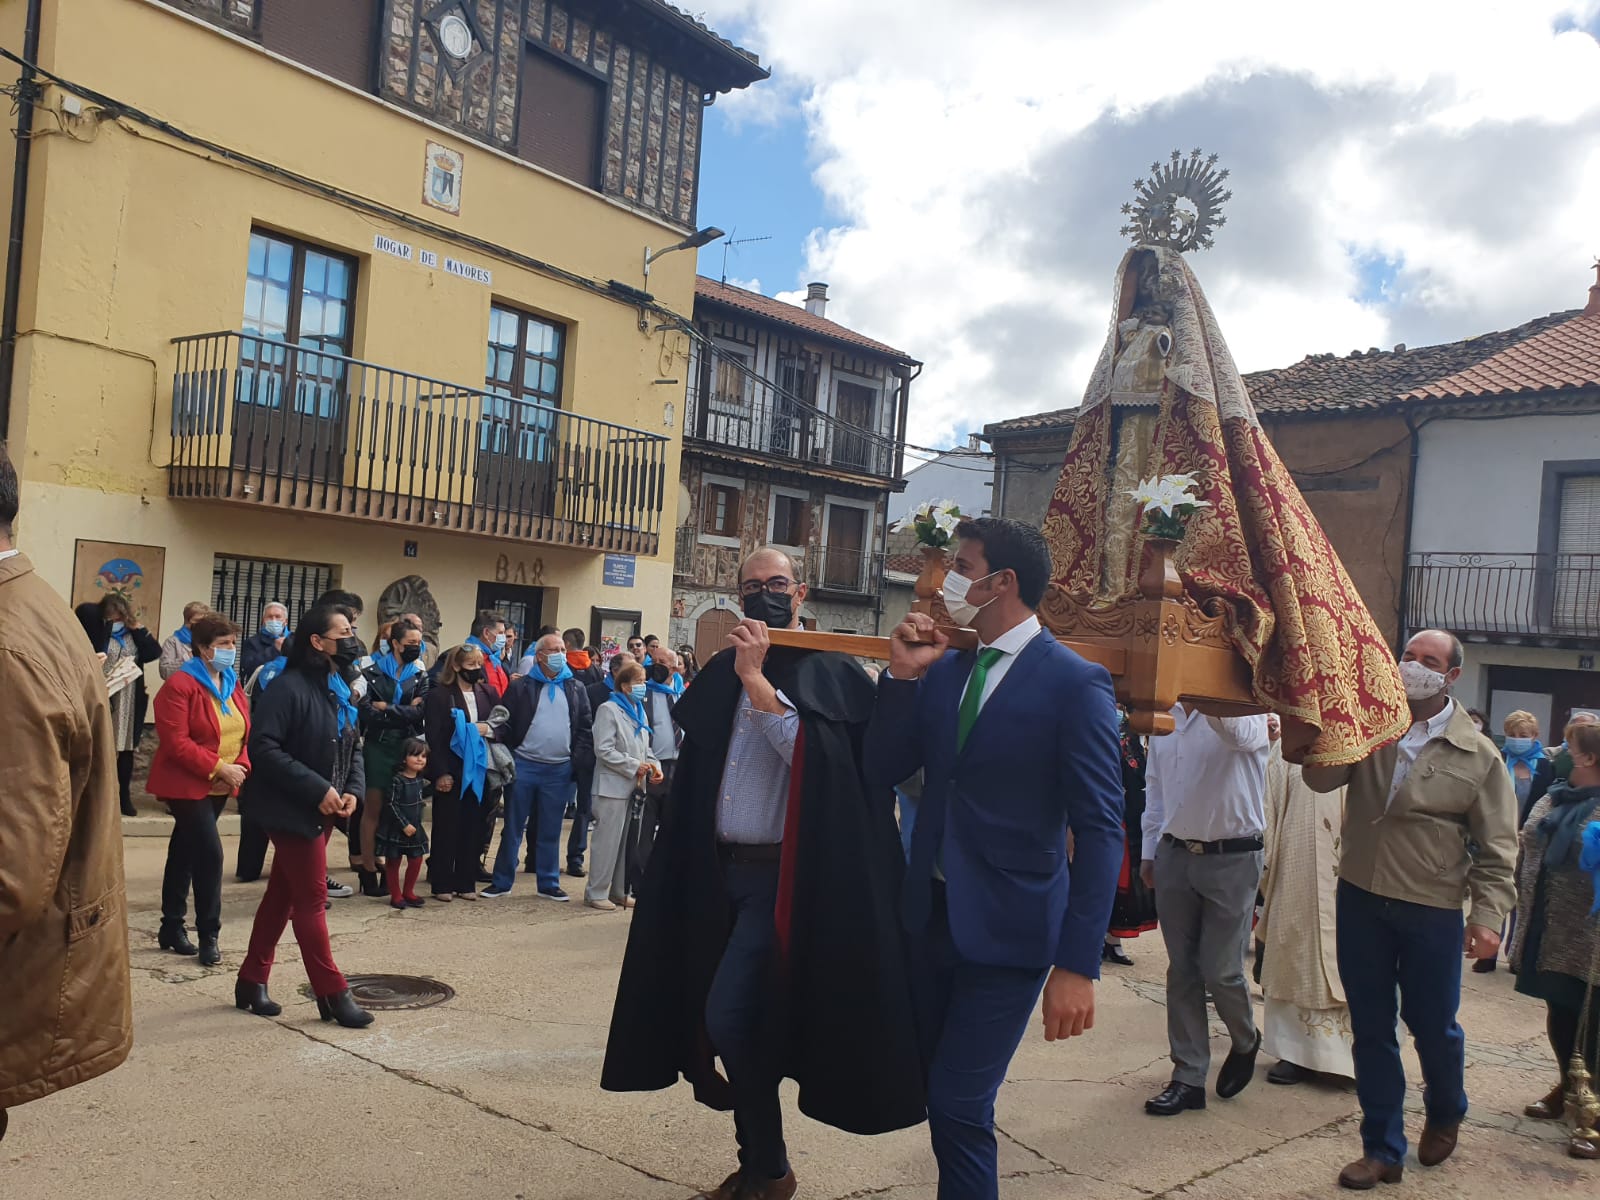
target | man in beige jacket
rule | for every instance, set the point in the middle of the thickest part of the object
(68, 1010)
(1404, 875)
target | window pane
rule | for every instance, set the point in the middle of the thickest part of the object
(280, 261)
(275, 313)
(316, 272)
(338, 279)
(258, 255)
(311, 316)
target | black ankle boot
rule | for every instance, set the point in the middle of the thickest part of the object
(210, 955)
(342, 1007)
(372, 884)
(174, 937)
(128, 810)
(253, 996)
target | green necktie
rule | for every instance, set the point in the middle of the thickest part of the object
(974, 697)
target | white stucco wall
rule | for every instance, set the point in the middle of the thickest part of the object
(1478, 482)
(967, 477)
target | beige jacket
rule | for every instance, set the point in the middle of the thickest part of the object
(67, 1015)
(1458, 790)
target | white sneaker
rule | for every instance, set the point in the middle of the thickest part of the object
(340, 890)
(602, 905)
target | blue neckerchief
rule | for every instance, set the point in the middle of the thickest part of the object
(664, 689)
(611, 683)
(677, 683)
(1531, 759)
(488, 652)
(224, 693)
(184, 636)
(341, 694)
(270, 671)
(648, 661)
(635, 711)
(468, 745)
(552, 685)
(1589, 860)
(395, 669)
(1561, 828)
(121, 636)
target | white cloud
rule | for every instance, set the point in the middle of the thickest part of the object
(977, 156)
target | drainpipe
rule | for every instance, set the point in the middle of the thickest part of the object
(1411, 515)
(26, 87)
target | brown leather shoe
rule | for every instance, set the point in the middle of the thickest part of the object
(1367, 1173)
(1552, 1108)
(772, 1189)
(1436, 1144)
(728, 1191)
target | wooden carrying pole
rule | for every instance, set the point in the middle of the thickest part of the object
(1159, 646)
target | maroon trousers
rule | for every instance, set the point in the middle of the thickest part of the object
(297, 890)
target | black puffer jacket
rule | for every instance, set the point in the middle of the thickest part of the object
(297, 753)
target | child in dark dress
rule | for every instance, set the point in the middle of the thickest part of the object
(400, 832)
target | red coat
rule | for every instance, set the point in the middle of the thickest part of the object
(186, 723)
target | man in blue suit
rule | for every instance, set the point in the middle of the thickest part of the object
(1018, 745)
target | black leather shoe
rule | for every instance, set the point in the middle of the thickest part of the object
(575, 869)
(1178, 1098)
(1238, 1070)
(1115, 954)
(342, 1007)
(1485, 966)
(1286, 1073)
(253, 996)
(174, 937)
(128, 810)
(210, 954)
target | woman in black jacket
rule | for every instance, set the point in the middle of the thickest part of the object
(391, 713)
(458, 797)
(116, 634)
(306, 771)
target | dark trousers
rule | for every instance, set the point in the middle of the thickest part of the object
(643, 821)
(194, 856)
(297, 891)
(1561, 1025)
(252, 856)
(738, 1018)
(578, 837)
(125, 777)
(1389, 948)
(455, 843)
(971, 1019)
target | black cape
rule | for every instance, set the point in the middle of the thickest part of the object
(841, 1019)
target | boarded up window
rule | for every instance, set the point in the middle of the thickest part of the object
(335, 37)
(559, 116)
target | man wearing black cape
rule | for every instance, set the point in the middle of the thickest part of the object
(766, 932)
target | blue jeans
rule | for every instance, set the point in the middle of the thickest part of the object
(1389, 948)
(739, 1010)
(539, 793)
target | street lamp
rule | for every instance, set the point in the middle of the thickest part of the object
(694, 241)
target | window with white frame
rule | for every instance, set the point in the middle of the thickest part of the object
(788, 518)
(732, 366)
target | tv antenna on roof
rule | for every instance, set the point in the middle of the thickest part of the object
(728, 244)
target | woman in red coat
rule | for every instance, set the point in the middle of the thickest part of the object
(204, 725)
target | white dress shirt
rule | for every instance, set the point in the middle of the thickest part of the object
(1206, 781)
(1418, 736)
(11, 553)
(1011, 643)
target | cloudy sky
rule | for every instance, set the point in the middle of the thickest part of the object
(1403, 171)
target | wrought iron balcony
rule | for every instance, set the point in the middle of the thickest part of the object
(731, 409)
(265, 422)
(846, 572)
(1543, 599)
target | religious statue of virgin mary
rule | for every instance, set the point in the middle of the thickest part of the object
(1166, 399)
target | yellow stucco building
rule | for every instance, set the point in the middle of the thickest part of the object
(348, 292)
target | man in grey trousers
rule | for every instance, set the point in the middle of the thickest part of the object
(1205, 790)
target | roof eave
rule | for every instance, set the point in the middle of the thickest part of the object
(888, 352)
(742, 66)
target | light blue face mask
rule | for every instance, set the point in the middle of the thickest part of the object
(118, 627)
(557, 662)
(1518, 746)
(273, 628)
(500, 644)
(225, 658)
(638, 691)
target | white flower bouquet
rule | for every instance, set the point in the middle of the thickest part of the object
(934, 521)
(1166, 504)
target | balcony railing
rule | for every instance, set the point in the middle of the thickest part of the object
(850, 572)
(261, 421)
(1541, 598)
(730, 407)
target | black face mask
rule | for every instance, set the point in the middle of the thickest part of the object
(777, 611)
(472, 674)
(660, 673)
(348, 650)
(410, 654)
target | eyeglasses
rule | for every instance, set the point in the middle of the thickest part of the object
(778, 585)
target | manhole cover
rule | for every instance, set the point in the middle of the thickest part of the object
(396, 991)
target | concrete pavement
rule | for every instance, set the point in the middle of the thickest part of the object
(493, 1095)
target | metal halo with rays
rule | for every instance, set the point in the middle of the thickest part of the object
(1180, 205)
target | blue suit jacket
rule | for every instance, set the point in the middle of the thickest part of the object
(1042, 756)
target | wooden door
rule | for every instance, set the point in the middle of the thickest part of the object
(857, 407)
(711, 632)
(844, 558)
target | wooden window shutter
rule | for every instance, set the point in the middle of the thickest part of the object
(336, 37)
(558, 117)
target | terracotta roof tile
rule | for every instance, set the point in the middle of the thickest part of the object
(792, 315)
(1375, 378)
(1564, 356)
